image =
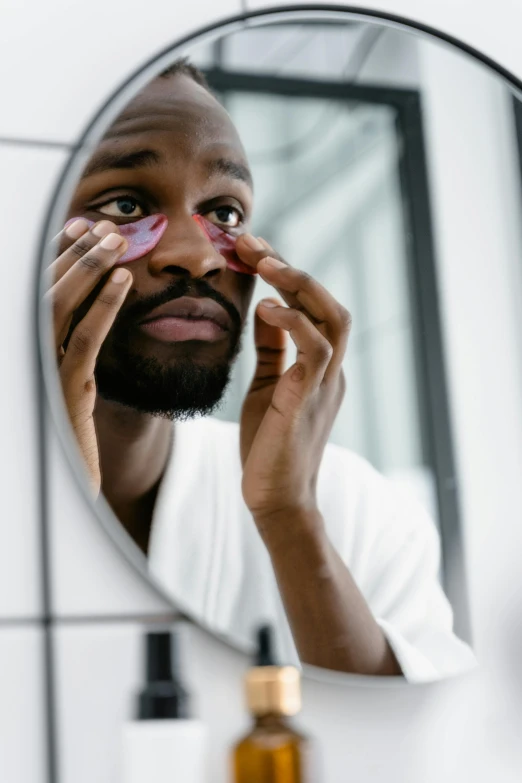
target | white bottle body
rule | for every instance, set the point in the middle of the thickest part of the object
(164, 751)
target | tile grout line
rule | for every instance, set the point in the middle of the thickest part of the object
(15, 142)
(91, 619)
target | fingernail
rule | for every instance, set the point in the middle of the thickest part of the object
(268, 303)
(274, 262)
(119, 275)
(111, 241)
(101, 229)
(252, 242)
(77, 229)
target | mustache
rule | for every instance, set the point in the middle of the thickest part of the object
(140, 308)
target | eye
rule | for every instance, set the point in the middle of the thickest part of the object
(227, 216)
(125, 206)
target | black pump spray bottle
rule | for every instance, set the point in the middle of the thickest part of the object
(163, 744)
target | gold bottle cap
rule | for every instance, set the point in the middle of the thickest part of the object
(273, 690)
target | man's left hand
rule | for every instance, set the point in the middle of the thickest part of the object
(287, 415)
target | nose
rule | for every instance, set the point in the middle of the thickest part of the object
(184, 249)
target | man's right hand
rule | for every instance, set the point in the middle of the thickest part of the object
(87, 256)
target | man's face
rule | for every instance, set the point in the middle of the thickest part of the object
(172, 151)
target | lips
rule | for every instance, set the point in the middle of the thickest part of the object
(187, 318)
(192, 308)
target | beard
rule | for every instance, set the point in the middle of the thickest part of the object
(179, 390)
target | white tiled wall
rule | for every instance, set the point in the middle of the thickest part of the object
(23, 715)
(98, 672)
(28, 176)
(68, 60)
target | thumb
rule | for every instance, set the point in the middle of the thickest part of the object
(270, 342)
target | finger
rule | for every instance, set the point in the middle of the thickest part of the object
(268, 247)
(80, 280)
(303, 292)
(314, 352)
(252, 250)
(87, 338)
(71, 233)
(270, 343)
(61, 242)
(74, 245)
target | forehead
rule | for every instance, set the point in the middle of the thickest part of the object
(178, 106)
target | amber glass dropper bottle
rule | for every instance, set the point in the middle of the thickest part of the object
(273, 751)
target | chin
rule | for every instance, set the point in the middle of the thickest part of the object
(182, 388)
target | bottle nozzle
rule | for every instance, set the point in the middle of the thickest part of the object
(265, 647)
(163, 696)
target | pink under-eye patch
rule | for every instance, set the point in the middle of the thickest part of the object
(142, 236)
(225, 244)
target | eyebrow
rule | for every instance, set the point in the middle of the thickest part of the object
(118, 160)
(106, 161)
(230, 168)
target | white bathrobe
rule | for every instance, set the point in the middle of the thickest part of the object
(207, 554)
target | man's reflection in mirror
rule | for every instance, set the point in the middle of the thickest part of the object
(249, 522)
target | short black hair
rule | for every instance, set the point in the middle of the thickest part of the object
(183, 67)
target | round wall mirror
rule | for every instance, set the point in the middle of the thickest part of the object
(243, 340)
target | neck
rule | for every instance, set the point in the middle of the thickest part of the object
(134, 449)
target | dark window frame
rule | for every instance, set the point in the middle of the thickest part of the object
(429, 353)
(517, 109)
